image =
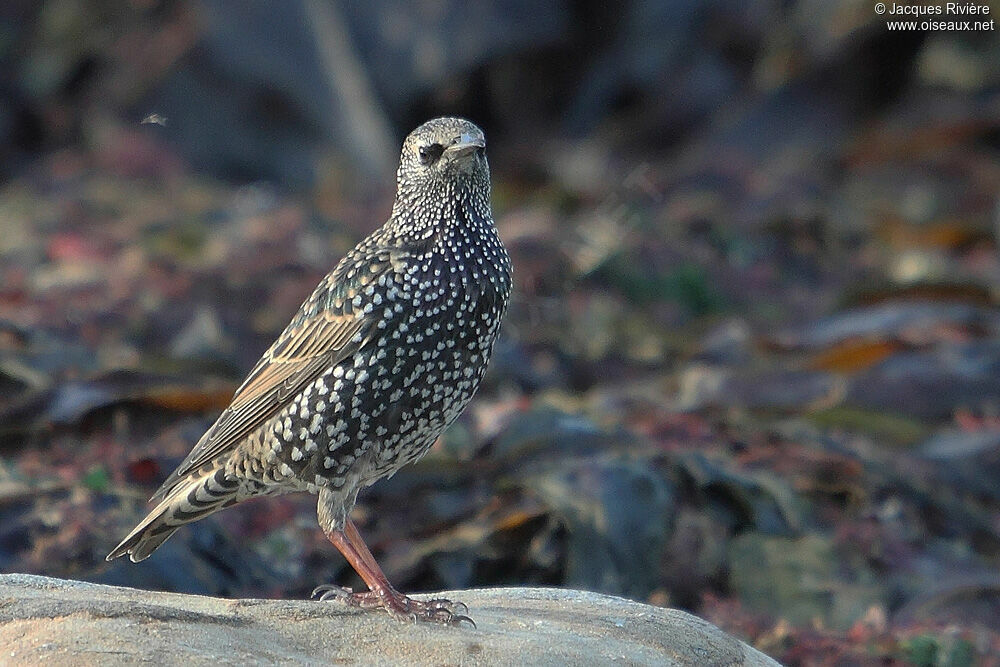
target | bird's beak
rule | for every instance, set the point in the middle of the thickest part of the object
(466, 144)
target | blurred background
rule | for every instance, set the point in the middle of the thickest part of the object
(751, 369)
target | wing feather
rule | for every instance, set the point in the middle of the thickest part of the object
(326, 330)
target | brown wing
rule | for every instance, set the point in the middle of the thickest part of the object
(327, 329)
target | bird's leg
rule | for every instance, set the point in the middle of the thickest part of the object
(381, 593)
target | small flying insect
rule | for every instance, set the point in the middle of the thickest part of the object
(154, 119)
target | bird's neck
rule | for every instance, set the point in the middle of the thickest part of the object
(440, 212)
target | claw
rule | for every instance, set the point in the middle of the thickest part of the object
(438, 610)
(331, 591)
(458, 619)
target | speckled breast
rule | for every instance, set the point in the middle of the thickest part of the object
(385, 406)
(434, 362)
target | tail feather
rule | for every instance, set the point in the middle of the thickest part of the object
(193, 498)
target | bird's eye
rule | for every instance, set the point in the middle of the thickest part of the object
(429, 154)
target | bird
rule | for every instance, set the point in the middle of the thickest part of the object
(378, 361)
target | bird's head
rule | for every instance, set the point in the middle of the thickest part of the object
(444, 151)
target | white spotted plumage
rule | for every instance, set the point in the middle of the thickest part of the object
(382, 357)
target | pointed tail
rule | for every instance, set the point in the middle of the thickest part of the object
(193, 498)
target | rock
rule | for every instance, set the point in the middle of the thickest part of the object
(270, 86)
(618, 515)
(203, 337)
(409, 48)
(802, 579)
(72, 623)
(932, 383)
(967, 460)
(779, 390)
(912, 322)
(266, 87)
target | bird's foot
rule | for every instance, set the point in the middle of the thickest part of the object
(398, 605)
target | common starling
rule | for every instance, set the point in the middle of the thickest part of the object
(379, 360)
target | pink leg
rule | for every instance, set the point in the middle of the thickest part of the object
(381, 593)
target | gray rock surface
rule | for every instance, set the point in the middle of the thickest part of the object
(58, 622)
